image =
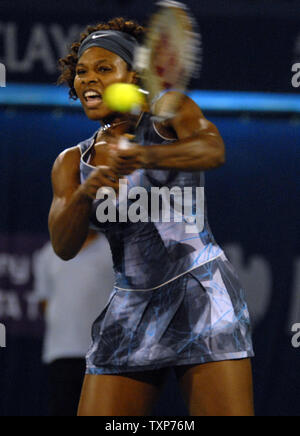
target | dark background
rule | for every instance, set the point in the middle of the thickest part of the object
(253, 200)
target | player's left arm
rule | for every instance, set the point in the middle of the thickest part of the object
(199, 145)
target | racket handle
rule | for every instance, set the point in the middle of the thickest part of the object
(124, 143)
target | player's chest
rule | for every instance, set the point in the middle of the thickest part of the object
(98, 155)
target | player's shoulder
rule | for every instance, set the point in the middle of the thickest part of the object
(69, 155)
(68, 158)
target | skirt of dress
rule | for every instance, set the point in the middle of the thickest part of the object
(200, 317)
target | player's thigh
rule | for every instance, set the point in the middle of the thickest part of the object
(119, 395)
(218, 388)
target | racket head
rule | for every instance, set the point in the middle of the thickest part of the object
(171, 56)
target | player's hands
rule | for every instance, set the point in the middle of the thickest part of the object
(125, 161)
(102, 176)
(120, 163)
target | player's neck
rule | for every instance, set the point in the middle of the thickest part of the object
(121, 124)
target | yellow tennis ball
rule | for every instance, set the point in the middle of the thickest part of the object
(123, 97)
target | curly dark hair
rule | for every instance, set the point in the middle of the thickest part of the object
(67, 65)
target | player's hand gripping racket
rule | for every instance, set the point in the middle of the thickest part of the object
(171, 56)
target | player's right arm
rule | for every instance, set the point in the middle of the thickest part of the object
(72, 202)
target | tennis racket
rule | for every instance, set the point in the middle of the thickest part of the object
(170, 57)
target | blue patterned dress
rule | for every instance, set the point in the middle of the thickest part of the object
(177, 299)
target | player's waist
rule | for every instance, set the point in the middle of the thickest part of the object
(140, 273)
(122, 283)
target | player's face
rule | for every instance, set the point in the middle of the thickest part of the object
(96, 69)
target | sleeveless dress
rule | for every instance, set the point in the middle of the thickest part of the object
(177, 299)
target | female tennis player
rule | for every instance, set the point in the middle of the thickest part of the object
(177, 301)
